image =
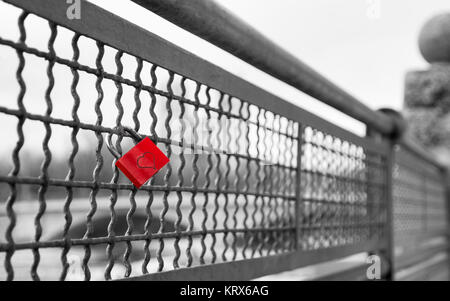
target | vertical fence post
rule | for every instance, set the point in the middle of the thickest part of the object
(389, 230)
(388, 252)
(446, 179)
(298, 191)
(425, 201)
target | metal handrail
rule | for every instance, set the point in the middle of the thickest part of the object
(210, 21)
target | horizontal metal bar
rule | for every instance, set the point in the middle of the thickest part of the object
(346, 155)
(121, 34)
(319, 226)
(333, 202)
(258, 267)
(216, 25)
(102, 185)
(341, 179)
(4, 247)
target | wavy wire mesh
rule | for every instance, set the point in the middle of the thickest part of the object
(227, 194)
(419, 204)
(343, 189)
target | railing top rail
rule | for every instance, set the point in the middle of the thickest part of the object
(216, 25)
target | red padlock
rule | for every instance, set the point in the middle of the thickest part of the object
(141, 162)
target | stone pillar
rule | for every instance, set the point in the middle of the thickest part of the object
(427, 92)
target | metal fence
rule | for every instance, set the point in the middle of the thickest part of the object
(420, 218)
(262, 186)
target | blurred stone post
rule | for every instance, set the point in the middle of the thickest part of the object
(427, 92)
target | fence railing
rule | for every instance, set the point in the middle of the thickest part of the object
(255, 186)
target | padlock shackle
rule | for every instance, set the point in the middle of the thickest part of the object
(121, 129)
(133, 133)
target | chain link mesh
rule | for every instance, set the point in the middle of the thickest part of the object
(419, 204)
